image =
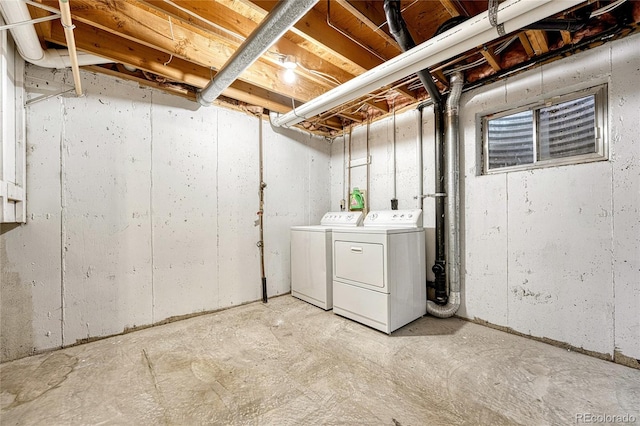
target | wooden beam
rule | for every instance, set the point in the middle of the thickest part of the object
(235, 23)
(439, 75)
(524, 40)
(566, 37)
(539, 41)
(489, 55)
(453, 8)
(313, 27)
(369, 16)
(103, 43)
(332, 123)
(381, 106)
(183, 92)
(404, 91)
(126, 20)
(352, 117)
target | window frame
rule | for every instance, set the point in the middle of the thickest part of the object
(600, 92)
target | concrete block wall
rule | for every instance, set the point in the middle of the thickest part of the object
(142, 207)
(553, 252)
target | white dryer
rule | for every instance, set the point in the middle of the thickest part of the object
(379, 271)
(311, 254)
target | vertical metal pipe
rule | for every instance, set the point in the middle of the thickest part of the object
(349, 170)
(420, 163)
(262, 186)
(345, 194)
(452, 182)
(367, 195)
(394, 199)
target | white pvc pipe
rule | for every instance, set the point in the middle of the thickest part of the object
(514, 14)
(68, 26)
(28, 45)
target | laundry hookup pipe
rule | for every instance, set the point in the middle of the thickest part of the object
(261, 188)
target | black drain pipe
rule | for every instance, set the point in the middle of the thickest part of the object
(399, 30)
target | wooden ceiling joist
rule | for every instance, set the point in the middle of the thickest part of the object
(178, 45)
(539, 41)
(240, 26)
(524, 40)
(453, 8)
(125, 20)
(369, 15)
(314, 28)
(99, 42)
(491, 58)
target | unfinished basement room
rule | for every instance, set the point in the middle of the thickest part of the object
(320, 212)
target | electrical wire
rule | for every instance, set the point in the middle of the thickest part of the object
(323, 75)
(172, 38)
(606, 9)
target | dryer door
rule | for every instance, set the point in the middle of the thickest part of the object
(360, 263)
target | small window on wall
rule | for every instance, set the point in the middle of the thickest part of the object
(564, 130)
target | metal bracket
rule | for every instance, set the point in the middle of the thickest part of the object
(436, 195)
(493, 16)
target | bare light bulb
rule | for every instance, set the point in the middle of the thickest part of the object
(289, 76)
(289, 62)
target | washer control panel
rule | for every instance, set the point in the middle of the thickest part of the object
(342, 219)
(394, 218)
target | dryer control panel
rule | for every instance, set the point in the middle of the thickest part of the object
(342, 219)
(394, 218)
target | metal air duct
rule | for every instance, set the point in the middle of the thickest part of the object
(282, 17)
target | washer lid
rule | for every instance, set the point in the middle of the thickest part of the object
(393, 218)
(335, 219)
(312, 228)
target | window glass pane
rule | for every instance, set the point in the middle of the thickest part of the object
(510, 140)
(567, 129)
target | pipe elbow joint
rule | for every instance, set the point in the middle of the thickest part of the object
(447, 310)
(201, 100)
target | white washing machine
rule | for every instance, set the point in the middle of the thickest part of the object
(379, 271)
(311, 254)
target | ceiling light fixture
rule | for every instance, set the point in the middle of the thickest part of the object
(289, 76)
(289, 62)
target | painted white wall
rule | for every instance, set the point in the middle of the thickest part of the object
(142, 208)
(555, 252)
(552, 252)
(12, 144)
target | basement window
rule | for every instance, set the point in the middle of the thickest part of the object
(567, 129)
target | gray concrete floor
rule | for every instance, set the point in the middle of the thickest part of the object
(289, 363)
